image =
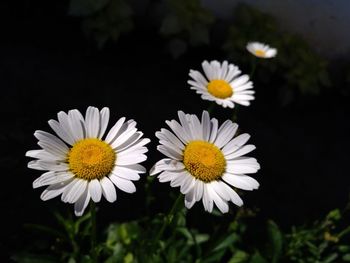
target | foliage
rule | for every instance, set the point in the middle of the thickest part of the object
(325, 241)
(185, 23)
(103, 19)
(297, 67)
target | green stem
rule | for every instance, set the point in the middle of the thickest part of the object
(169, 218)
(211, 107)
(93, 231)
(235, 113)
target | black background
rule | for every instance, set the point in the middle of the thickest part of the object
(47, 65)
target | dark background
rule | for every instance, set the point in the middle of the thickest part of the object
(47, 64)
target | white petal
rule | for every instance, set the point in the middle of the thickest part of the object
(178, 130)
(55, 190)
(242, 168)
(47, 165)
(207, 200)
(169, 152)
(95, 190)
(179, 179)
(219, 202)
(51, 177)
(240, 152)
(199, 186)
(43, 155)
(92, 122)
(64, 124)
(76, 123)
(130, 159)
(185, 124)
(198, 77)
(236, 143)
(187, 184)
(81, 203)
(213, 130)
(239, 81)
(123, 184)
(225, 133)
(104, 118)
(189, 199)
(168, 135)
(209, 73)
(126, 173)
(220, 190)
(206, 125)
(129, 142)
(233, 195)
(52, 140)
(135, 167)
(61, 132)
(240, 181)
(108, 190)
(114, 130)
(166, 165)
(167, 176)
(77, 190)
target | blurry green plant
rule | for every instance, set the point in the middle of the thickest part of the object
(185, 23)
(103, 20)
(297, 68)
(325, 241)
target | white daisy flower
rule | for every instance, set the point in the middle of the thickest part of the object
(222, 84)
(81, 165)
(204, 159)
(261, 50)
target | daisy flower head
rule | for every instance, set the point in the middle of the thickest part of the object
(222, 83)
(205, 159)
(80, 165)
(261, 50)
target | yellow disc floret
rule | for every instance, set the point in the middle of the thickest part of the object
(260, 53)
(204, 161)
(220, 89)
(91, 159)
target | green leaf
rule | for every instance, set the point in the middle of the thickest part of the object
(257, 258)
(346, 257)
(334, 215)
(276, 240)
(228, 241)
(239, 257)
(331, 258)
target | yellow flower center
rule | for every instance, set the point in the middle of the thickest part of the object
(260, 53)
(220, 89)
(204, 161)
(91, 159)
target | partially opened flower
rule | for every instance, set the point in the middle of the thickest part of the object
(204, 160)
(81, 165)
(261, 50)
(222, 83)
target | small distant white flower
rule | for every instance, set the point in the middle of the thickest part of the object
(222, 84)
(80, 165)
(204, 159)
(261, 50)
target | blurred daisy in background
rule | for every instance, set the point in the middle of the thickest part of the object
(205, 159)
(81, 165)
(261, 50)
(222, 83)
